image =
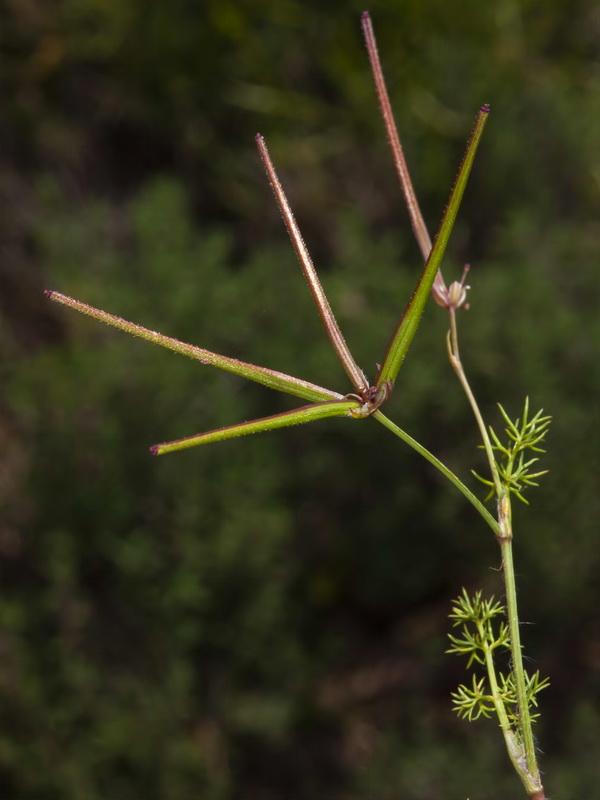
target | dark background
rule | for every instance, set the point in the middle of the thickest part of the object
(266, 618)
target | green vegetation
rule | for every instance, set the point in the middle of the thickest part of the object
(157, 640)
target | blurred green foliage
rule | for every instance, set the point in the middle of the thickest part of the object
(266, 618)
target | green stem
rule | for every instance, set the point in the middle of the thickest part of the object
(513, 746)
(529, 772)
(454, 479)
(527, 769)
(454, 354)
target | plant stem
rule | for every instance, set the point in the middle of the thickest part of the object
(454, 479)
(526, 766)
(515, 750)
(454, 354)
(529, 771)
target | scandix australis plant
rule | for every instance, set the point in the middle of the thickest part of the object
(485, 627)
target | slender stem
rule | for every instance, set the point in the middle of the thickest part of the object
(529, 772)
(336, 337)
(439, 465)
(454, 355)
(528, 769)
(515, 751)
